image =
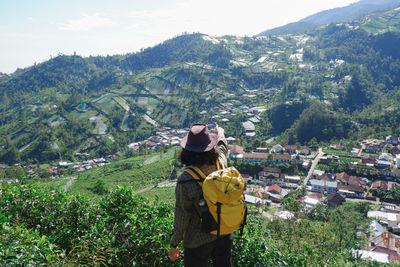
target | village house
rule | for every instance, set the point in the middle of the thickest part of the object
(351, 191)
(342, 177)
(317, 172)
(255, 157)
(334, 200)
(236, 151)
(368, 160)
(384, 216)
(291, 149)
(310, 202)
(337, 147)
(394, 257)
(292, 181)
(281, 158)
(255, 200)
(372, 256)
(272, 175)
(380, 184)
(328, 159)
(277, 148)
(386, 243)
(305, 150)
(276, 193)
(331, 187)
(393, 140)
(322, 186)
(383, 162)
(374, 148)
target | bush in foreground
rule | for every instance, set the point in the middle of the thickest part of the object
(43, 227)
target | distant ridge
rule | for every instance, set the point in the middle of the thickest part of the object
(336, 15)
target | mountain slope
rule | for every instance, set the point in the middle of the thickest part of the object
(98, 105)
(336, 15)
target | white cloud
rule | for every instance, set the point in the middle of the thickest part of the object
(88, 22)
(220, 17)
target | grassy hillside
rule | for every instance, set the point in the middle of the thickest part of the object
(134, 173)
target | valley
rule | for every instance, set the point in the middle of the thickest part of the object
(89, 145)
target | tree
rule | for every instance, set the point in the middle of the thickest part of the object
(100, 187)
(290, 204)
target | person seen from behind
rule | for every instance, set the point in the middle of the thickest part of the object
(201, 149)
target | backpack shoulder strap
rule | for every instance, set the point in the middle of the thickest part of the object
(196, 174)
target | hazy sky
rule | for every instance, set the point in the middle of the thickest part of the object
(33, 30)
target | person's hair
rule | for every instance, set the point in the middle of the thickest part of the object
(188, 158)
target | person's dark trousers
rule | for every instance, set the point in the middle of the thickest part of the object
(220, 251)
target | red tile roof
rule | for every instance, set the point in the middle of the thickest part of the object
(281, 157)
(276, 188)
(386, 240)
(255, 156)
(344, 176)
(235, 149)
(353, 188)
(335, 198)
(380, 184)
(354, 180)
(291, 147)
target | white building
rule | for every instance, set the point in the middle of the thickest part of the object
(385, 217)
(372, 255)
(310, 202)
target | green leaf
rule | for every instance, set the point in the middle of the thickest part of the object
(41, 241)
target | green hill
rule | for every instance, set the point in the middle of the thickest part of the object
(98, 105)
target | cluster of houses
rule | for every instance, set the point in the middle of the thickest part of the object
(278, 154)
(272, 185)
(384, 242)
(386, 164)
(56, 170)
(342, 183)
(87, 164)
(164, 137)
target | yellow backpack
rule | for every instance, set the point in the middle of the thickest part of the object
(222, 199)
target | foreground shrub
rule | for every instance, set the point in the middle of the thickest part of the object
(43, 227)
